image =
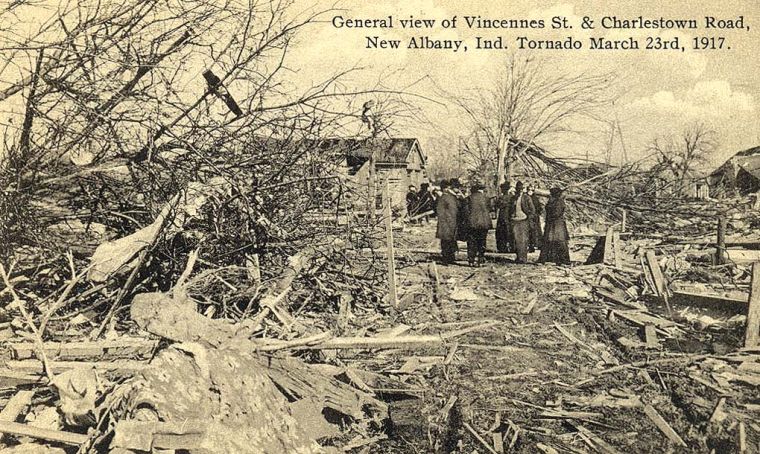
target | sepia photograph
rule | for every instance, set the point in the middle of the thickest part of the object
(404, 226)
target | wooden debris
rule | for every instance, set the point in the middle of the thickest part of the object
(546, 449)
(150, 435)
(480, 439)
(598, 442)
(69, 438)
(650, 336)
(389, 252)
(718, 414)
(123, 347)
(344, 343)
(663, 425)
(720, 250)
(660, 284)
(742, 437)
(752, 330)
(15, 406)
(33, 366)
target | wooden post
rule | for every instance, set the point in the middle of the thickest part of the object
(371, 191)
(609, 250)
(752, 330)
(720, 251)
(623, 222)
(392, 297)
(616, 249)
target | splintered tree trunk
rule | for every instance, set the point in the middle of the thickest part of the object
(502, 152)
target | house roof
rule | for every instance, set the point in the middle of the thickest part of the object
(748, 160)
(749, 152)
(392, 151)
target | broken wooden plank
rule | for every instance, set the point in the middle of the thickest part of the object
(123, 347)
(346, 343)
(33, 366)
(663, 425)
(660, 284)
(153, 435)
(69, 438)
(599, 443)
(480, 439)
(650, 336)
(609, 249)
(616, 250)
(718, 414)
(13, 378)
(15, 406)
(389, 253)
(752, 329)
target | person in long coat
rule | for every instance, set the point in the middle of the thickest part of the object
(478, 224)
(521, 211)
(447, 209)
(503, 222)
(456, 189)
(536, 235)
(556, 236)
(412, 201)
(425, 199)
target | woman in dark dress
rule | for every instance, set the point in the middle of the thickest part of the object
(556, 236)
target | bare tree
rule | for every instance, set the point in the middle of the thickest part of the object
(679, 157)
(528, 101)
(172, 91)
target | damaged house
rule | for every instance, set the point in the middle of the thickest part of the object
(739, 175)
(399, 160)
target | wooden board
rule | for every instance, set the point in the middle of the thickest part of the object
(752, 329)
(663, 425)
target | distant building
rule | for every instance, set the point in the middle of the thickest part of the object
(400, 161)
(739, 175)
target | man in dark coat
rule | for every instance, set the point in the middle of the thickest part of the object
(412, 201)
(521, 210)
(503, 221)
(447, 209)
(556, 237)
(478, 224)
(425, 199)
(536, 235)
(456, 189)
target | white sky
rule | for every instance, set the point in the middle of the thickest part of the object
(660, 93)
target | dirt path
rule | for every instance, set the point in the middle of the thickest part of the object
(547, 376)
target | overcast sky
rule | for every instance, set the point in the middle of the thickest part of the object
(660, 92)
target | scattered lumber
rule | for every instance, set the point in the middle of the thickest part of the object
(123, 347)
(18, 429)
(15, 406)
(155, 435)
(480, 439)
(752, 329)
(650, 336)
(664, 427)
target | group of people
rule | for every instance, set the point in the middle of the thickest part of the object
(518, 222)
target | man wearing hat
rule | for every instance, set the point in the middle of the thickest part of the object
(478, 224)
(521, 211)
(447, 209)
(556, 236)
